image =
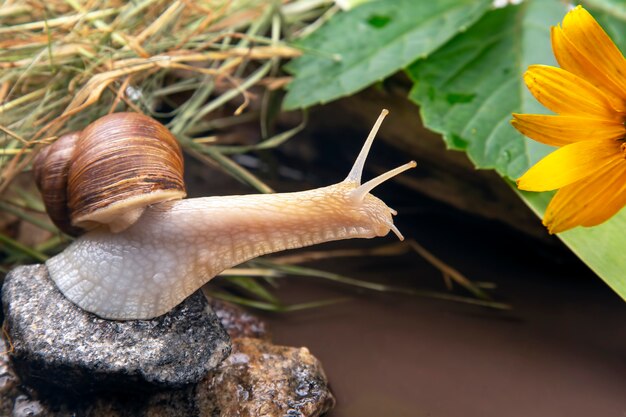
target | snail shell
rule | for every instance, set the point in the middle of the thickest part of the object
(109, 173)
(50, 168)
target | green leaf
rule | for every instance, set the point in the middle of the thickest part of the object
(468, 89)
(616, 8)
(368, 43)
(600, 247)
(612, 22)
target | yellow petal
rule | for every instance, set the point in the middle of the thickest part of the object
(563, 205)
(567, 94)
(592, 41)
(588, 202)
(609, 209)
(562, 130)
(571, 59)
(569, 164)
(569, 200)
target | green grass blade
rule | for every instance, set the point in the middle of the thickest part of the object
(310, 272)
(275, 307)
(252, 286)
(20, 248)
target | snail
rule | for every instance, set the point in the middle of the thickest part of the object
(145, 248)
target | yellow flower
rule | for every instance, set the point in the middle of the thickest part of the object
(588, 93)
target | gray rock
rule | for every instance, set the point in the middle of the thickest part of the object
(9, 382)
(26, 407)
(56, 344)
(260, 379)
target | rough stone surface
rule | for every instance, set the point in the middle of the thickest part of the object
(56, 344)
(9, 382)
(238, 322)
(260, 379)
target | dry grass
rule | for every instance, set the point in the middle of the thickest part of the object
(64, 63)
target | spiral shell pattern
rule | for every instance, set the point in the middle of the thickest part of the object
(109, 173)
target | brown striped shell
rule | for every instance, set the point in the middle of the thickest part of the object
(50, 168)
(109, 173)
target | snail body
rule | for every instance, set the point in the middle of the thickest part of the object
(175, 246)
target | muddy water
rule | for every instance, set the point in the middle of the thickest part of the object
(560, 352)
